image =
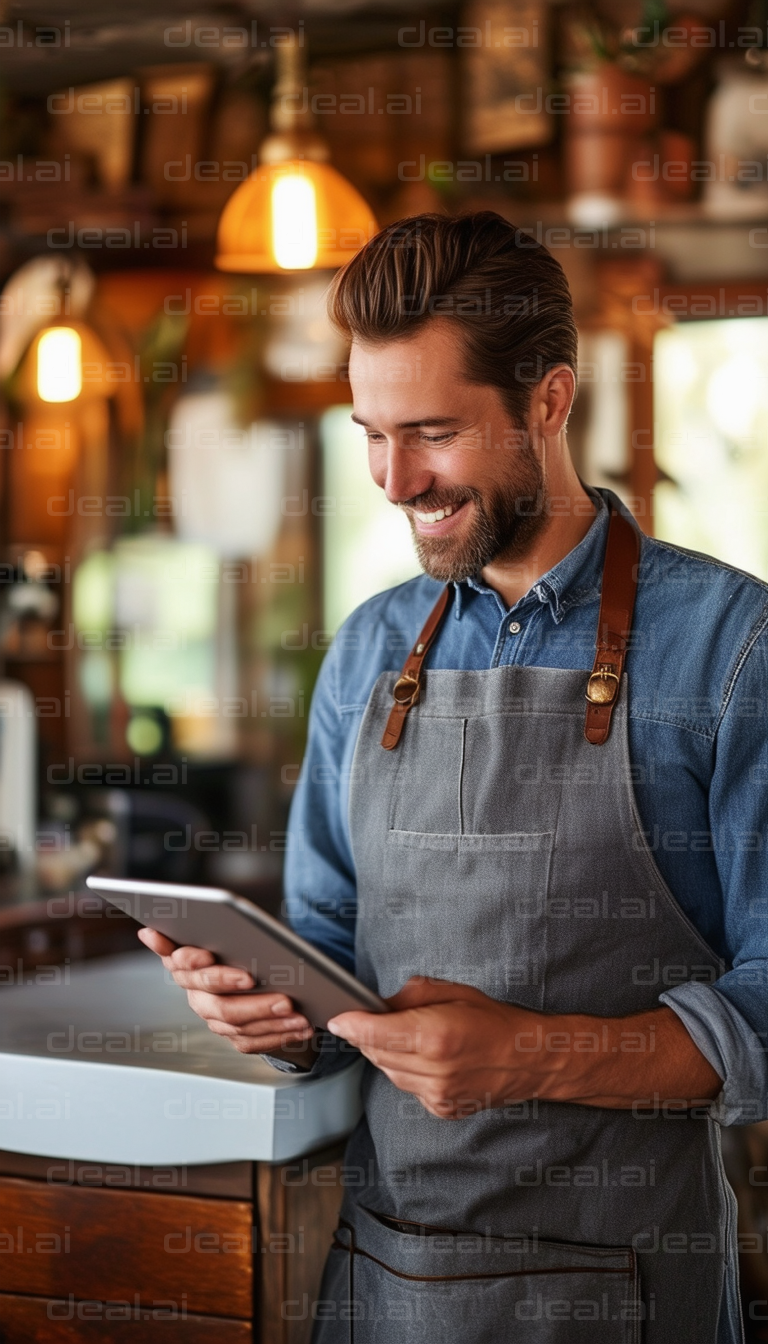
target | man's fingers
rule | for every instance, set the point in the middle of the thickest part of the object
(156, 942)
(195, 968)
(286, 1045)
(294, 1028)
(404, 1082)
(253, 1023)
(244, 1009)
(191, 958)
(296, 1025)
(264, 1044)
(176, 959)
(437, 1104)
(215, 979)
(402, 1031)
(421, 990)
(356, 1027)
(413, 1066)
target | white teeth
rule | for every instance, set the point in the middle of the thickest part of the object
(436, 517)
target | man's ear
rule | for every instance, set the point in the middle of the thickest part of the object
(552, 400)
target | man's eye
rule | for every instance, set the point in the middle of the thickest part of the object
(436, 438)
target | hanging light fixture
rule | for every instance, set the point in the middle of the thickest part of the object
(60, 360)
(295, 212)
(65, 362)
(59, 364)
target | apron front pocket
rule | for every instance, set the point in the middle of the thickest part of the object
(497, 941)
(425, 1288)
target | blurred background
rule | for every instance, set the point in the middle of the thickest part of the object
(185, 511)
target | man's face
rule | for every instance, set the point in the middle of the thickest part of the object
(446, 451)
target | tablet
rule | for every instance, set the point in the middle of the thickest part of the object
(241, 934)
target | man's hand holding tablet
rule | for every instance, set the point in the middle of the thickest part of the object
(251, 978)
(258, 1023)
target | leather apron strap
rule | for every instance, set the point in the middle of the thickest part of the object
(614, 624)
(617, 601)
(407, 688)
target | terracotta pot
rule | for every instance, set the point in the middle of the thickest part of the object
(660, 169)
(676, 153)
(608, 99)
(596, 162)
(644, 183)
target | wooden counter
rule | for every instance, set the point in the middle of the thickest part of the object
(229, 1253)
(96, 1244)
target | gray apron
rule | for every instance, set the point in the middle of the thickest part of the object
(497, 848)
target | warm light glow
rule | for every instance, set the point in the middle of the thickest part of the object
(294, 222)
(292, 216)
(59, 365)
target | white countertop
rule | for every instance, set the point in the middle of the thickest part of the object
(106, 1062)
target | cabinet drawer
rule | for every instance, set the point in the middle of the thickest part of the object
(34, 1320)
(187, 1254)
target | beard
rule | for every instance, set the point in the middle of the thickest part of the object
(506, 521)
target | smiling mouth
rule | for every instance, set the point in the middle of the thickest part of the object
(437, 516)
(437, 520)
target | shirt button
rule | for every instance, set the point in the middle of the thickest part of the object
(515, 627)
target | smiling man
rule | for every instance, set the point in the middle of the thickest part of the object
(488, 506)
(540, 834)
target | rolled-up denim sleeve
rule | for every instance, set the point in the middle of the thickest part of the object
(320, 886)
(333, 1054)
(728, 1020)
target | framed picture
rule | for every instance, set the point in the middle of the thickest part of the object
(506, 54)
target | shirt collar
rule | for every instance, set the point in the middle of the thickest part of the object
(574, 580)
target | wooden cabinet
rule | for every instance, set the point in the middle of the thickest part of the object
(104, 1252)
(187, 1253)
(28, 1320)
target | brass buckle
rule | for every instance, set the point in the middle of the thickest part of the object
(602, 687)
(406, 690)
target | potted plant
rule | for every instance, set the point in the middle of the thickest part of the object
(615, 72)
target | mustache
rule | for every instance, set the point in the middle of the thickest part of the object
(432, 500)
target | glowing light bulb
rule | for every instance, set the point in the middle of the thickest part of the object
(294, 222)
(59, 365)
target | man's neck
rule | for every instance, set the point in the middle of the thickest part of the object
(564, 526)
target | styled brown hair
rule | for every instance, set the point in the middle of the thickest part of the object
(506, 293)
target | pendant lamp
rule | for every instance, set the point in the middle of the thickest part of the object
(65, 362)
(59, 364)
(295, 212)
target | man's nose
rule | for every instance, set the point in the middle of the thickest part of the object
(407, 474)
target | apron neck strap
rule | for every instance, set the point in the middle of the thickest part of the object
(614, 624)
(617, 602)
(407, 688)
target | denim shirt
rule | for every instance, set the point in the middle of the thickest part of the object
(698, 743)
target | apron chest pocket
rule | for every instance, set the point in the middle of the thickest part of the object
(498, 940)
(391, 1287)
(446, 793)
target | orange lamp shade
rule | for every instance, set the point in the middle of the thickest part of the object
(294, 215)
